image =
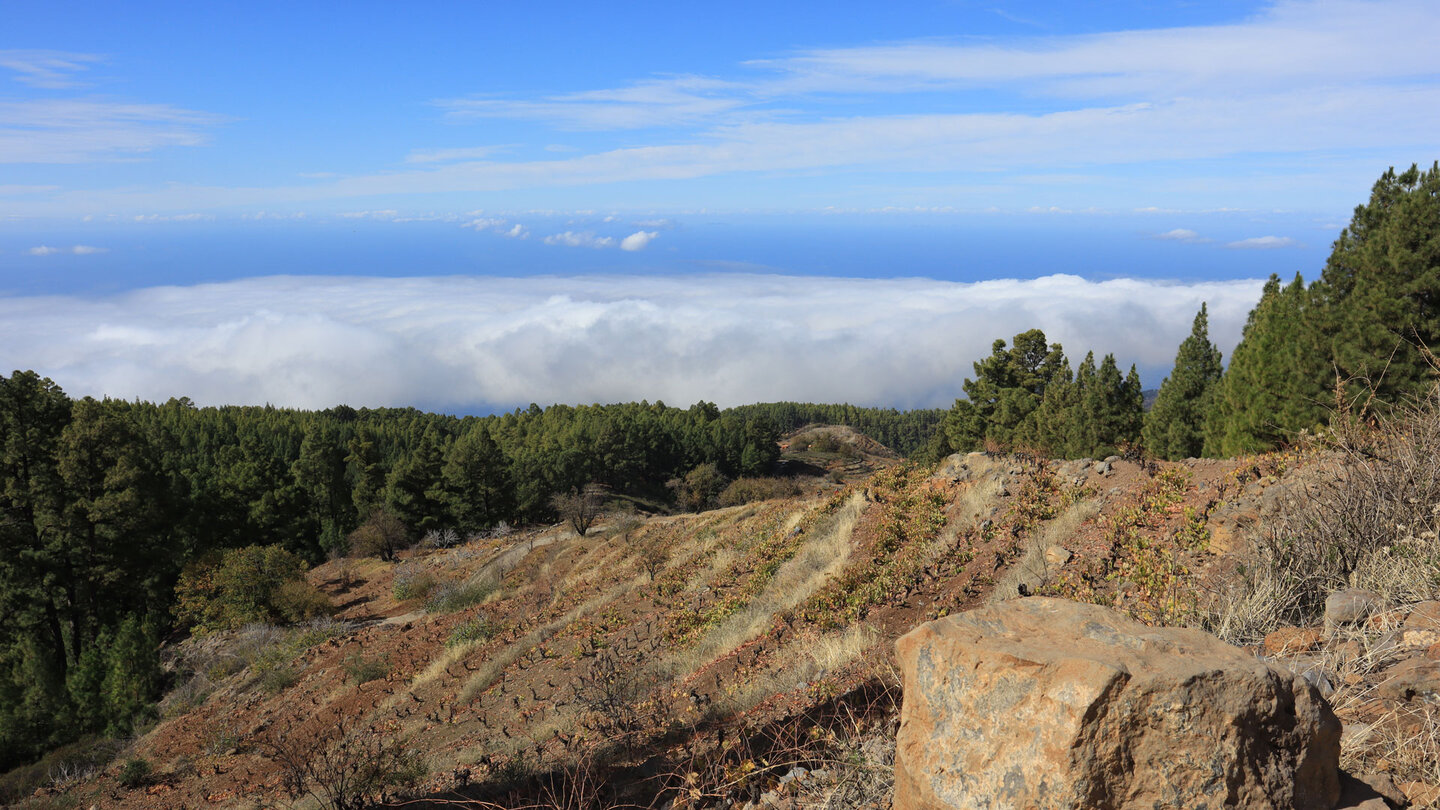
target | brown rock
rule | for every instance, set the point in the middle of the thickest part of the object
(1293, 640)
(1046, 703)
(1424, 616)
(1409, 679)
(1419, 638)
(1351, 606)
(1433, 653)
(1223, 539)
(1421, 794)
(1382, 785)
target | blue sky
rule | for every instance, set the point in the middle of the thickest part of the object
(530, 148)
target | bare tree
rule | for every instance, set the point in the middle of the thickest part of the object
(351, 769)
(581, 508)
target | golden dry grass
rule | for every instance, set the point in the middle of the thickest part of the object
(1034, 569)
(822, 555)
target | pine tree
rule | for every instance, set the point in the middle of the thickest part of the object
(1008, 386)
(478, 491)
(1274, 386)
(1380, 287)
(1175, 427)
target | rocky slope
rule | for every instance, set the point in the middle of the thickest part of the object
(736, 655)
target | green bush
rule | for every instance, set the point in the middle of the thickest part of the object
(452, 596)
(475, 630)
(134, 773)
(364, 669)
(277, 678)
(749, 490)
(298, 600)
(236, 588)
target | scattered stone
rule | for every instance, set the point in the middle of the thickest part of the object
(1421, 794)
(1416, 677)
(1347, 651)
(1424, 616)
(1057, 555)
(1382, 784)
(1046, 703)
(1419, 638)
(1293, 640)
(1350, 606)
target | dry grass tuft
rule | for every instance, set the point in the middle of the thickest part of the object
(823, 554)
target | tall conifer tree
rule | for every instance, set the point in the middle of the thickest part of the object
(1175, 427)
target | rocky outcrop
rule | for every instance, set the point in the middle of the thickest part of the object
(1044, 703)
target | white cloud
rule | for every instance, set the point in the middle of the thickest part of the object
(517, 232)
(1264, 243)
(457, 343)
(676, 101)
(1182, 235)
(484, 223)
(78, 250)
(580, 239)
(19, 189)
(448, 155)
(174, 217)
(50, 70)
(1291, 42)
(82, 130)
(638, 240)
(385, 214)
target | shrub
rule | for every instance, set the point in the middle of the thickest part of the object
(235, 588)
(440, 538)
(698, 489)
(452, 596)
(298, 600)
(413, 581)
(357, 767)
(134, 773)
(364, 669)
(381, 535)
(748, 490)
(1374, 524)
(478, 628)
(276, 679)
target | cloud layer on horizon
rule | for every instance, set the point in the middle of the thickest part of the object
(471, 344)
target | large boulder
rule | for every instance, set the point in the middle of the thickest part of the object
(1044, 703)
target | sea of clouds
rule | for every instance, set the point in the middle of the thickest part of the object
(470, 344)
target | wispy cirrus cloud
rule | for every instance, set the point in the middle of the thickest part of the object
(450, 155)
(50, 70)
(665, 102)
(83, 130)
(464, 343)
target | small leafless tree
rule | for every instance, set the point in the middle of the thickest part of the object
(581, 508)
(353, 768)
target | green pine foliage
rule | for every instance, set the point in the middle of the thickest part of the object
(1358, 339)
(1274, 387)
(1175, 427)
(1028, 397)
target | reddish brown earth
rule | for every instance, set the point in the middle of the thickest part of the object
(564, 605)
